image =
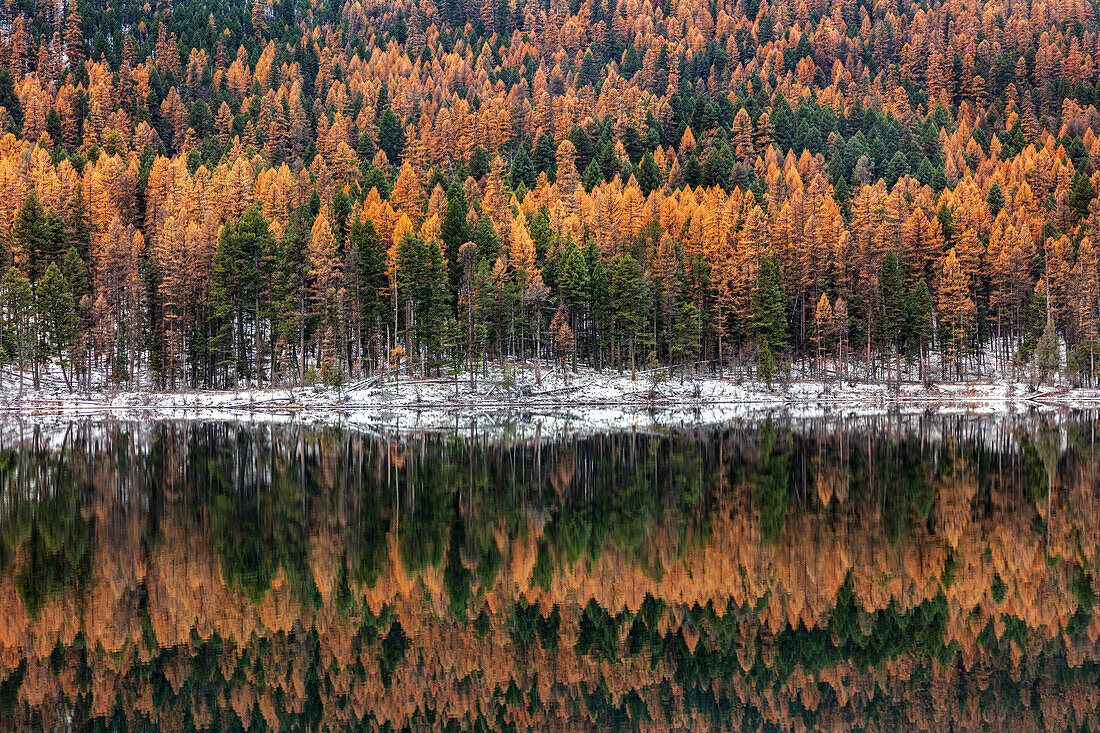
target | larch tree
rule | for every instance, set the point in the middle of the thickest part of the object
(956, 310)
(823, 326)
(325, 277)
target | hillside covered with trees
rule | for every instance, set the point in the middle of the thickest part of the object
(271, 193)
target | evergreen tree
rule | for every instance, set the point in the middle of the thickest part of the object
(629, 296)
(573, 284)
(454, 231)
(17, 312)
(766, 366)
(486, 239)
(38, 234)
(543, 158)
(522, 171)
(599, 303)
(241, 281)
(919, 325)
(1080, 195)
(649, 175)
(391, 136)
(891, 314)
(592, 176)
(292, 322)
(77, 228)
(782, 119)
(768, 304)
(422, 286)
(996, 199)
(693, 172)
(369, 279)
(1035, 322)
(573, 289)
(76, 273)
(56, 319)
(1048, 351)
(687, 334)
(718, 164)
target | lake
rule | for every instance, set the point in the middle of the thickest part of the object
(891, 571)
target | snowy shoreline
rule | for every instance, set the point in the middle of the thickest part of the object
(554, 401)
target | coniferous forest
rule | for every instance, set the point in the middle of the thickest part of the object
(207, 195)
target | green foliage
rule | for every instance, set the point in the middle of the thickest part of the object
(56, 315)
(920, 325)
(523, 170)
(1080, 195)
(40, 234)
(687, 330)
(453, 230)
(891, 316)
(16, 309)
(649, 175)
(391, 136)
(1035, 322)
(422, 281)
(1048, 351)
(629, 294)
(769, 306)
(995, 198)
(999, 589)
(241, 283)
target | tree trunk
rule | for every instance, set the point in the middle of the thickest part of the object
(301, 338)
(259, 346)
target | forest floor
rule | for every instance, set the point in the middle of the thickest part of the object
(594, 399)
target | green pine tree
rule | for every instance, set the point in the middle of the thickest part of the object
(766, 367)
(523, 171)
(368, 280)
(768, 303)
(649, 175)
(17, 312)
(40, 234)
(919, 324)
(241, 283)
(1047, 351)
(629, 294)
(1035, 321)
(56, 319)
(687, 334)
(486, 239)
(453, 230)
(996, 199)
(76, 272)
(572, 278)
(391, 136)
(592, 176)
(292, 322)
(1080, 195)
(599, 303)
(891, 316)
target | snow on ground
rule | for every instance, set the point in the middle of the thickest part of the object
(513, 399)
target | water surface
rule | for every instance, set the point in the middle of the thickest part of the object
(892, 572)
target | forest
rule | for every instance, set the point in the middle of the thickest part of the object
(276, 193)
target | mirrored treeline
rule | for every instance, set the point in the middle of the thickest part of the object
(885, 571)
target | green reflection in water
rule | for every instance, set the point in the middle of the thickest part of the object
(885, 572)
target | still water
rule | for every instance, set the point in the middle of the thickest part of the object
(888, 572)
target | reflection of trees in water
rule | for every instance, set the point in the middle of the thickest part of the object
(896, 571)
